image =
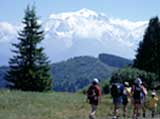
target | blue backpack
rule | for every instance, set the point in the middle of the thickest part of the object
(116, 90)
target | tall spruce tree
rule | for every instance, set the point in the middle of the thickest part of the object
(148, 53)
(29, 67)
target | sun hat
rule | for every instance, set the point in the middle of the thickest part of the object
(153, 93)
(126, 83)
(96, 80)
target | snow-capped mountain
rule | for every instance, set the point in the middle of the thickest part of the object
(83, 32)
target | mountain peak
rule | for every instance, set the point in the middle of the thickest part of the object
(83, 32)
(86, 12)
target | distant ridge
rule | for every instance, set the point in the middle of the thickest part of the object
(76, 73)
(114, 61)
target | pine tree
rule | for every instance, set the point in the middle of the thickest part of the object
(148, 53)
(29, 67)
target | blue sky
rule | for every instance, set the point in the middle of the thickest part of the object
(135, 10)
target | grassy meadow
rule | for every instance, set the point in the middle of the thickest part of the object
(50, 105)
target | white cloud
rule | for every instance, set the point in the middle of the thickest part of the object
(7, 32)
(86, 32)
(7, 27)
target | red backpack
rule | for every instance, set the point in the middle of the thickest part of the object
(93, 92)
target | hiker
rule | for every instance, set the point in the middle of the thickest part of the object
(94, 95)
(137, 91)
(116, 93)
(126, 97)
(153, 103)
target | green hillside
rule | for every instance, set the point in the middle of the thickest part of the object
(51, 105)
(114, 61)
(76, 73)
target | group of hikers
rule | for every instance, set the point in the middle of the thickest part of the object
(124, 94)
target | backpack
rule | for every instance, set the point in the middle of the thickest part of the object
(92, 93)
(137, 92)
(116, 91)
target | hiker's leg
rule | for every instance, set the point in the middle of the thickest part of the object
(117, 102)
(115, 109)
(134, 107)
(138, 109)
(153, 112)
(144, 112)
(143, 108)
(115, 106)
(135, 110)
(93, 111)
(138, 106)
(124, 110)
(125, 104)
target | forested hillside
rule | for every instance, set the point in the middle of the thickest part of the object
(76, 73)
(114, 61)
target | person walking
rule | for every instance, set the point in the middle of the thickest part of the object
(94, 96)
(137, 92)
(126, 97)
(153, 103)
(117, 93)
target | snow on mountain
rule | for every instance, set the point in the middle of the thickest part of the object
(83, 32)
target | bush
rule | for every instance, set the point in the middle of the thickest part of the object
(130, 74)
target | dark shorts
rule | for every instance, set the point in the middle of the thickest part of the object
(117, 100)
(137, 101)
(125, 100)
(93, 102)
